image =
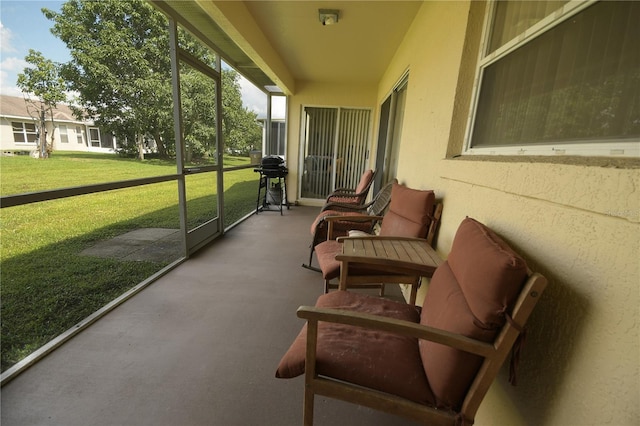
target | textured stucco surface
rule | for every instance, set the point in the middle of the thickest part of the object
(577, 221)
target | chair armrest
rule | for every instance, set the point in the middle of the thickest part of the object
(313, 315)
(385, 237)
(344, 198)
(342, 193)
(348, 219)
(342, 190)
(352, 218)
(334, 205)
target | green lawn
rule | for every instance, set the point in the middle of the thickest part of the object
(46, 286)
(65, 169)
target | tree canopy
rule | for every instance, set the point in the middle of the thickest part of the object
(43, 80)
(121, 70)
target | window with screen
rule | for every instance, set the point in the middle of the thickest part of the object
(558, 78)
(94, 137)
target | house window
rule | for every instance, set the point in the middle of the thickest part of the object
(64, 135)
(275, 146)
(99, 139)
(106, 140)
(559, 78)
(79, 136)
(94, 137)
(24, 132)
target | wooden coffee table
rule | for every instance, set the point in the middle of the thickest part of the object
(386, 260)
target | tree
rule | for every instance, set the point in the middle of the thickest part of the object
(120, 64)
(240, 127)
(121, 69)
(199, 114)
(43, 80)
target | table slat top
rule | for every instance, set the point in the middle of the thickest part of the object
(403, 252)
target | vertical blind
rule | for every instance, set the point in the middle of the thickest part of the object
(276, 143)
(577, 82)
(511, 18)
(336, 141)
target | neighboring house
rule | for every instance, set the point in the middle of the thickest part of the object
(275, 143)
(19, 129)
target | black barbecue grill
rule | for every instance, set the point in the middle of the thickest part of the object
(272, 168)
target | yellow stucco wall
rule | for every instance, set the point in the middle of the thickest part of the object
(578, 224)
(236, 20)
(327, 95)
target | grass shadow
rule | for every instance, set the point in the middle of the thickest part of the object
(240, 200)
(49, 290)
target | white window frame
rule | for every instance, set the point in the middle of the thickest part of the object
(24, 133)
(91, 140)
(79, 135)
(617, 148)
(63, 132)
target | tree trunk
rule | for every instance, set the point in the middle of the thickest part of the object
(140, 143)
(188, 154)
(162, 150)
(49, 149)
(42, 152)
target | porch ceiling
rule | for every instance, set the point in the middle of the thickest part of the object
(191, 15)
(283, 42)
(355, 50)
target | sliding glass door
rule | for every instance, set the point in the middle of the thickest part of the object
(335, 149)
(390, 134)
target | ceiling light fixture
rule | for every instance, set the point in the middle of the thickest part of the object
(328, 16)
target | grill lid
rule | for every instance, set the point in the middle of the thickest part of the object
(272, 161)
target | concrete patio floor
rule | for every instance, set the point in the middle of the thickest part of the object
(146, 244)
(197, 347)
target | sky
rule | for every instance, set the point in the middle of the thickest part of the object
(24, 27)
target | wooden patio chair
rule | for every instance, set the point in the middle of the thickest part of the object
(356, 196)
(412, 214)
(346, 217)
(433, 364)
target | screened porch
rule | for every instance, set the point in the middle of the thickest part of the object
(197, 347)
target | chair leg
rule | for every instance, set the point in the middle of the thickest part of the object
(308, 265)
(308, 406)
(415, 285)
(414, 294)
(311, 250)
(326, 286)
